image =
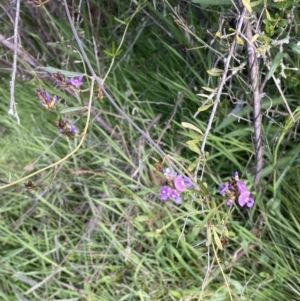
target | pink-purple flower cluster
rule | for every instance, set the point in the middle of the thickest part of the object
(65, 128)
(46, 100)
(65, 82)
(235, 189)
(176, 185)
(75, 81)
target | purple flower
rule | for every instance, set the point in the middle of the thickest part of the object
(246, 199)
(176, 184)
(73, 128)
(236, 190)
(165, 192)
(55, 98)
(223, 188)
(229, 202)
(75, 81)
(168, 172)
(68, 131)
(181, 183)
(47, 96)
(241, 185)
(175, 195)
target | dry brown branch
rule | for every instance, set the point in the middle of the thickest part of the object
(255, 84)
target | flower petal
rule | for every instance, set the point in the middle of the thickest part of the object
(250, 202)
(76, 81)
(73, 128)
(188, 182)
(169, 172)
(179, 183)
(164, 192)
(241, 185)
(223, 188)
(243, 198)
(229, 202)
(178, 200)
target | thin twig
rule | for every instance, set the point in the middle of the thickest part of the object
(21, 52)
(13, 106)
(219, 92)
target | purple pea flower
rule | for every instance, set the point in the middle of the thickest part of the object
(223, 188)
(176, 184)
(241, 185)
(229, 202)
(169, 173)
(165, 192)
(246, 199)
(75, 81)
(72, 128)
(47, 95)
(175, 195)
(181, 183)
(55, 99)
(68, 131)
(235, 189)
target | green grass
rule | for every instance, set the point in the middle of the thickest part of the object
(94, 227)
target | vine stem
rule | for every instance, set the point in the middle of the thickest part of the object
(256, 92)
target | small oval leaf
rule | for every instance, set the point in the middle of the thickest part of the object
(215, 72)
(63, 72)
(191, 127)
(194, 148)
(204, 108)
(73, 110)
(217, 239)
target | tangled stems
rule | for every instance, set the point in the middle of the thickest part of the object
(68, 155)
(101, 84)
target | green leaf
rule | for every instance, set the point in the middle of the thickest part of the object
(215, 72)
(239, 41)
(208, 237)
(193, 165)
(247, 5)
(209, 89)
(63, 72)
(295, 47)
(268, 15)
(279, 56)
(204, 108)
(142, 218)
(194, 148)
(73, 110)
(255, 3)
(203, 189)
(107, 52)
(192, 142)
(191, 127)
(215, 2)
(217, 239)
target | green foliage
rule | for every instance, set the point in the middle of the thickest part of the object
(94, 227)
(206, 3)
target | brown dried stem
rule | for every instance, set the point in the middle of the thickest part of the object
(255, 84)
